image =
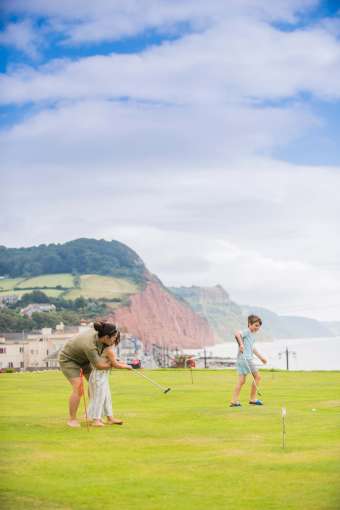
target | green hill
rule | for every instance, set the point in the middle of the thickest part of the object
(67, 286)
(82, 279)
(81, 256)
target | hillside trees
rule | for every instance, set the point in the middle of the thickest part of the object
(81, 256)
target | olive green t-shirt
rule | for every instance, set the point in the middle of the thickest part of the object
(83, 349)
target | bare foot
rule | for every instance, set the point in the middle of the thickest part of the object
(114, 421)
(73, 423)
(97, 423)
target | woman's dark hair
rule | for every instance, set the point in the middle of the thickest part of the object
(107, 329)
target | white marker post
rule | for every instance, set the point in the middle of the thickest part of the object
(283, 414)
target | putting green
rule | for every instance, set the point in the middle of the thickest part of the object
(184, 450)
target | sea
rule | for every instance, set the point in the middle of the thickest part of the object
(303, 353)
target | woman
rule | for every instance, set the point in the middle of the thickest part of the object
(84, 352)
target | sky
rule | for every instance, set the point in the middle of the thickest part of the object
(204, 135)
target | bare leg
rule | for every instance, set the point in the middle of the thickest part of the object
(97, 423)
(74, 402)
(257, 378)
(238, 387)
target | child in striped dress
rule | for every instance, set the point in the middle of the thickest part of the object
(99, 388)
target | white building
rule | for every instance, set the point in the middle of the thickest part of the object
(11, 354)
(36, 351)
(40, 351)
(37, 308)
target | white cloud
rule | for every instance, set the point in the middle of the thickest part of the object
(182, 171)
(264, 229)
(22, 36)
(85, 20)
(142, 135)
(239, 60)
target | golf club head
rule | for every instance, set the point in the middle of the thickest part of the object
(167, 390)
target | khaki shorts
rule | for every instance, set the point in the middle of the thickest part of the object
(245, 367)
(71, 370)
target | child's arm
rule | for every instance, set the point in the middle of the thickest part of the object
(239, 340)
(114, 363)
(259, 356)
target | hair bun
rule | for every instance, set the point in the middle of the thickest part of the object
(105, 328)
(98, 325)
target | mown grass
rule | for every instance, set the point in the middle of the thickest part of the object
(96, 286)
(91, 286)
(48, 280)
(183, 450)
(9, 283)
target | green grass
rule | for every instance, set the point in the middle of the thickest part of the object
(20, 293)
(91, 286)
(9, 283)
(96, 286)
(184, 450)
(48, 280)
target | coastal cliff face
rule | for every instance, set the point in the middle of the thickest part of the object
(214, 304)
(156, 316)
(225, 317)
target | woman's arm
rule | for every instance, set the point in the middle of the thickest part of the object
(113, 361)
(102, 365)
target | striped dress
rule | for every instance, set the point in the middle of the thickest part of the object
(100, 395)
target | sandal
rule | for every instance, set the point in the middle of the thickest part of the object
(256, 402)
(115, 421)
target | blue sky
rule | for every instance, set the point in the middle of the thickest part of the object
(209, 128)
(54, 44)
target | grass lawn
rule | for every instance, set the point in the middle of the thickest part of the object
(9, 283)
(48, 280)
(96, 286)
(20, 293)
(91, 286)
(183, 450)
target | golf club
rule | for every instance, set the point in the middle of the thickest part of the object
(82, 393)
(257, 389)
(165, 390)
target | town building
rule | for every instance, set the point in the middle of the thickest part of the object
(37, 308)
(33, 351)
(8, 299)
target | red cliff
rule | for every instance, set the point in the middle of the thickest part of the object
(156, 316)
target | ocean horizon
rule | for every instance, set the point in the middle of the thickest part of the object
(304, 353)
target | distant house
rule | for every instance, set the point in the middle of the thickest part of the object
(34, 351)
(37, 307)
(8, 299)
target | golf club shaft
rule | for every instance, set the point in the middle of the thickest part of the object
(257, 389)
(150, 380)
